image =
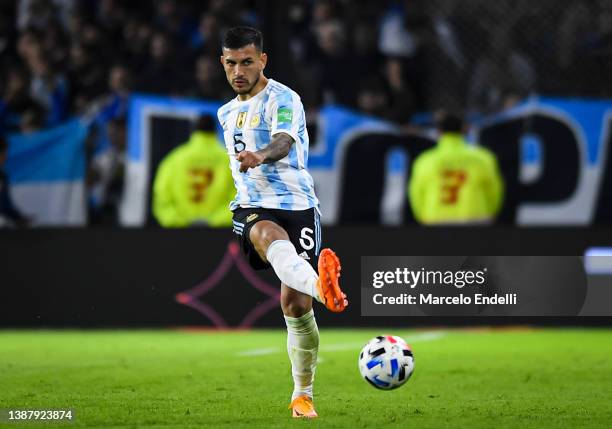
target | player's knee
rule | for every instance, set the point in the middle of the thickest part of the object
(293, 306)
(265, 233)
(294, 309)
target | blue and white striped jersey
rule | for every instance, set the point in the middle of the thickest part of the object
(250, 125)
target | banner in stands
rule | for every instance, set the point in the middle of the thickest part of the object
(46, 171)
(553, 154)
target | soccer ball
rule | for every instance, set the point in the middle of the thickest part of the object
(386, 362)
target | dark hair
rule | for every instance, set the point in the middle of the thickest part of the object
(238, 37)
(450, 123)
(205, 123)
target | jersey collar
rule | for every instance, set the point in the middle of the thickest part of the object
(256, 96)
(451, 140)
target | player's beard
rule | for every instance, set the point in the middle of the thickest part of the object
(249, 89)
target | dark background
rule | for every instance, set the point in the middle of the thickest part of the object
(117, 278)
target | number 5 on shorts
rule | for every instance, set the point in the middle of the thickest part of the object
(306, 240)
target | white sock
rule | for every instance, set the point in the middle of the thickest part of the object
(291, 269)
(302, 346)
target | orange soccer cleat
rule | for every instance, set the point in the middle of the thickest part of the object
(303, 407)
(328, 286)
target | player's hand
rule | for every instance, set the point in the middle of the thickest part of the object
(249, 160)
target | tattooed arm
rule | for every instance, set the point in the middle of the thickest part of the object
(277, 149)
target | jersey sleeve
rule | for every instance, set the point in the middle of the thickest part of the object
(287, 115)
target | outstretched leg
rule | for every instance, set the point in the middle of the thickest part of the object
(272, 244)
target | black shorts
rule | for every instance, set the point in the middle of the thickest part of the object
(303, 228)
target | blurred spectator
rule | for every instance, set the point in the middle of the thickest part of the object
(337, 80)
(48, 86)
(32, 120)
(55, 43)
(92, 37)
(170, 19)
(28, 41)
(119, 80)
(113, 103)
(455, 183)
(364, 52)
(105, 177)
(503, 76)
(137, 32)
(106, 141)
(39, 13)
(401, 36)
(209, 81)
(16, 99)
(403, 101)
(119, 86)
(207, 38)
(299, 31)
(112, 15)
(193, 183)
(397, 39)
(163, 73)
(372, 98)
(324, 11)
(9, 213)
(87, 75)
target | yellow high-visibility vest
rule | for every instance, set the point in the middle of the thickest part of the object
(455, 183)
(194, 184)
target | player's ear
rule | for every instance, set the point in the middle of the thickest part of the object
(221, 59)
(264, 59)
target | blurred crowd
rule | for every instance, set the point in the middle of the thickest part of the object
(388, 58)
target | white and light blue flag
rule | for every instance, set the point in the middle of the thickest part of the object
(46, 171)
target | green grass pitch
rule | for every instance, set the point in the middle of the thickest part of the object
(527, 378)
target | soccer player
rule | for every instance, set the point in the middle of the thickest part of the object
(276, 211)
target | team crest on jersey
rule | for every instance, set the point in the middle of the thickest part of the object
(255, 120)
(251, 217)
(241, 119)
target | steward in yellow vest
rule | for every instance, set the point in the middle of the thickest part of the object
(455, 182)
(194, 183)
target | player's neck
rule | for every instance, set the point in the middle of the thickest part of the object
(257, 88)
